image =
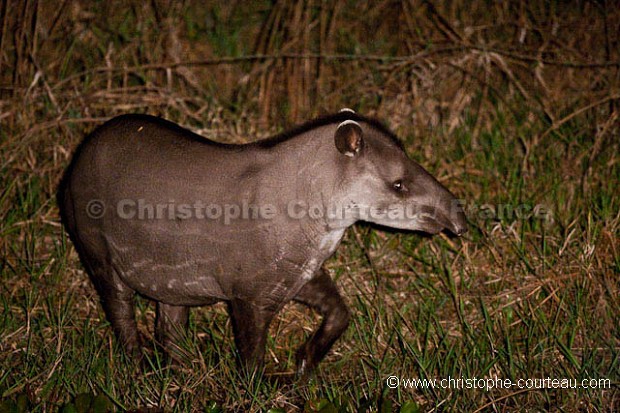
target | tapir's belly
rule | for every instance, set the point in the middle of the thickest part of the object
(182, 269)
(184, 283)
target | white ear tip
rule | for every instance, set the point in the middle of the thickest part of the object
(348, 122)
(346, 110)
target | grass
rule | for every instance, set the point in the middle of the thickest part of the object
(521, 296)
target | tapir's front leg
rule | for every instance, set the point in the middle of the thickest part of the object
(321, 294)
(250, 325)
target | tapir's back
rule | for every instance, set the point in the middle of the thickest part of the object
(139, 157)
(140, 144)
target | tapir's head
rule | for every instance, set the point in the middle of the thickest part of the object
(386, 187)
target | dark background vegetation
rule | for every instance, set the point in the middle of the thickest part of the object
(508, 103)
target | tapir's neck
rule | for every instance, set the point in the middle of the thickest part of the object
(314, 170)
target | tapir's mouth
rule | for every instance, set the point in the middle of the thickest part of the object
(436, 222)
(430, 225)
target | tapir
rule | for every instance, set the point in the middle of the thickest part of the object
(157, 210)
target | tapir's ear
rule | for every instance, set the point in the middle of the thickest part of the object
(349, 138)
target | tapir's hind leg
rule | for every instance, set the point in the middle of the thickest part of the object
(321, 294)
(118, 304)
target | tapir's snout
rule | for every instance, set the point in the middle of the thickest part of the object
(458, 225)
(440, 210)
(442, 216)
(450, 215)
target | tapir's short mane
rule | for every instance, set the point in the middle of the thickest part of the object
(137, 119)
(328, 120)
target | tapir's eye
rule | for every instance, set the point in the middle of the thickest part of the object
(399, 186)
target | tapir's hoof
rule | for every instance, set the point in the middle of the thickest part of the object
(132, 352)
(305, 376)
(305, 370)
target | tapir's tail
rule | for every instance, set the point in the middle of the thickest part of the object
(66, 206)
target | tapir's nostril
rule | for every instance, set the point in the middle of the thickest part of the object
(459, 226)
(460, 230)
